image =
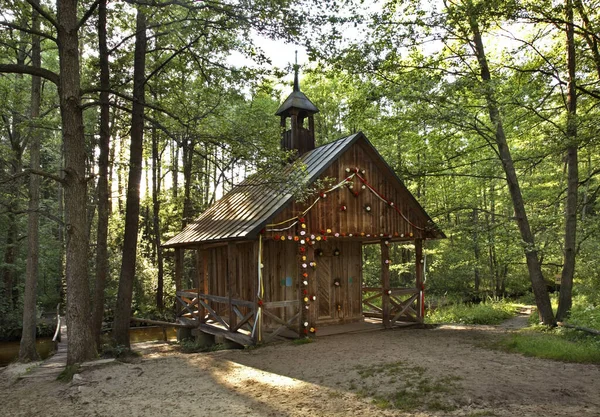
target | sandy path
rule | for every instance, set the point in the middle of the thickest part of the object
(429, 372)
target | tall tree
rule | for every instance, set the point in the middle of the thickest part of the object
(79, 331)
(103, 191)
(27, 350)
(132, 210)
(531, 254)
(570, 241)
(156, 188)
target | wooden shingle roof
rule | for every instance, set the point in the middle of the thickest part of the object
(245, 210)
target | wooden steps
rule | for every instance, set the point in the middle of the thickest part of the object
(239, 338)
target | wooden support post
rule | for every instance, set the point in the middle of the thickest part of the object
(385, 283)
(178, 275)
(419, 277)
(205, 287)
(231, 280)
(258, 309)
(294, 143)
(201, 269)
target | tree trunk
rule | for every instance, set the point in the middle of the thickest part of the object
(566, 281)
(175, 168)
(188, 157)
(156, 219)
(14, 129)
(103, 192)
(476, 250)
(535, 272)
(132, 214)
(81, 347)
(27, 351)
(60, 235)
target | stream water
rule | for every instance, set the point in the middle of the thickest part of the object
(9, 351)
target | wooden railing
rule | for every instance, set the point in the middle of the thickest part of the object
(235, 315)
(292, 323)
(56, 337)
(402, 304)
(197, 306)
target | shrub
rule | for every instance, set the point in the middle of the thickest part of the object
(484, 313)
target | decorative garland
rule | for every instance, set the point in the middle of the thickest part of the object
(304, 239)
(354, 172)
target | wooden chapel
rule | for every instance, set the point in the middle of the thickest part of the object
(269, 266)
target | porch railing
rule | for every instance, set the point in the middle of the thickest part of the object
(403, 304)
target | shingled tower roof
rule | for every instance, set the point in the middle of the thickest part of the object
(296, 100)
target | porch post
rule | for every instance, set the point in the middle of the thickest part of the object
(419, 278)
(385, 283)
(178, 275)
(231, 280)
(202, 281)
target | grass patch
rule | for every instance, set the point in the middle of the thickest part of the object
(302, 341)
(482, 413)
(491, 312)
(410, 387)
(382, 403)
(438, 405)
(584, 314)
(556, 344)
(407, 400)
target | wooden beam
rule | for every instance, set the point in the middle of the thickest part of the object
(178, 274)
(232, 256)
(214, 314)
(406, 307)
(216, 298)
(186, 303)
(385, 283)
(395, 291)
(419, 276)
(239, 338)
(205, 287)
(160, 323)
(277, 304)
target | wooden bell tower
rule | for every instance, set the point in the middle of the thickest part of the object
(297, 136)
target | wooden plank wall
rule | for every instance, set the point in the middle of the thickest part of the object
(348, 268)
(382, 218)
(282, 261)
(245, 285)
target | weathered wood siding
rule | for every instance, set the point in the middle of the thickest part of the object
(283, 270)
(336, 304)
(382, 219)
(212, 269)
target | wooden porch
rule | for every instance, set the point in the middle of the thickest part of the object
(236, 320)
(264, 318)
(240, 321)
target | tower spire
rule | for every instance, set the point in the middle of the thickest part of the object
(296, 136)
(296, 68)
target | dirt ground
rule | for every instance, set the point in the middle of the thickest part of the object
(445, 371)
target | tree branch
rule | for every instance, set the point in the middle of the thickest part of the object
(43, 13)
(26, 69)
(27, 30)
(87, 14)
(25, 172)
